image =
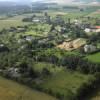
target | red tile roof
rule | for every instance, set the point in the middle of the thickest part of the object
(98, 27)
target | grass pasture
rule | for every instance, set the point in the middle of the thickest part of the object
(10, 90)
(94, 57)
(65, 83)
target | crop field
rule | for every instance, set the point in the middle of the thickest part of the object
(10, 90)
(65, 83)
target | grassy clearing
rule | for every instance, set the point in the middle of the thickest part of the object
(10, 90)
(52, 68)
(94, 57)
(65, 83)
(11, 23)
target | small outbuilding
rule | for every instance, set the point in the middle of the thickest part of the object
(90, 48)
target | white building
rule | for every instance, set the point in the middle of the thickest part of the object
(90, 48)
(93, 29)
(87, 30)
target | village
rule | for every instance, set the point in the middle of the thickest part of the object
(49, 49)
(69, 35)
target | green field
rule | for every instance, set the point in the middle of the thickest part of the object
(13, 22)
(65, 83)
(52, 68)
(38, 30)
(10, 90)
(94, 57)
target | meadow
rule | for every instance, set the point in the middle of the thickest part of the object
(65, 83)
(94, 57)
(13, 21)
(51, 67)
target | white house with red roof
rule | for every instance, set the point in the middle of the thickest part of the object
(92, 29)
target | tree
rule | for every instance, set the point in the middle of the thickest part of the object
(45, 72)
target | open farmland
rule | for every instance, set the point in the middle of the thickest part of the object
(13, 21)
(10, 90)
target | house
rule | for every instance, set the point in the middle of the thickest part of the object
(90, 48)
(29, 38)
(77, 22)
(87, 30)
(13, 72)
(36, 20)
(21, 29)
(41, 19)
(92, 29)
(97, 28)
(3, 48)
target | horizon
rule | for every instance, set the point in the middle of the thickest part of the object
(55, 1)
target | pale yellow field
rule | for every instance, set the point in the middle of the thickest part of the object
(10, 90)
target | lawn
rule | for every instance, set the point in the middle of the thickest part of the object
(94, 57)
(10, 90)
(65, 83)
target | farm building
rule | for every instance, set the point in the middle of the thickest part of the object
(90, 48)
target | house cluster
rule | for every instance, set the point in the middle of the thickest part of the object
(41, 19)
(58, 20)
(75, 44)
(87, 27)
